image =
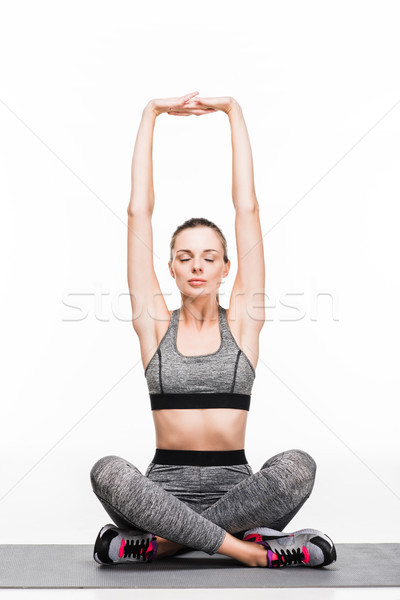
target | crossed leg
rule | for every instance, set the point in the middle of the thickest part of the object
(269, 497)
(135, 502)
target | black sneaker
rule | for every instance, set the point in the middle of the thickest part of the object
(306, 547)
(114, 546)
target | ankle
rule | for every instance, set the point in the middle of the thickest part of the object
(166, 547)
(249, 553)
(260, 554)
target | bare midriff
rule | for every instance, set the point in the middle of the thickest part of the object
(200, 428)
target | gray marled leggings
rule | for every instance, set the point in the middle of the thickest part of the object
(196, 505)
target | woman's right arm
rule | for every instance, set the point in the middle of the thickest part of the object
(142, 190)
(148, 304)
(147, 300)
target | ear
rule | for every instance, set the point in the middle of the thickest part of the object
(227, 268)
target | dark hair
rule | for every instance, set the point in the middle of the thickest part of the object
(200, 222)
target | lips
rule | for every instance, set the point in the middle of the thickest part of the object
(203, 280)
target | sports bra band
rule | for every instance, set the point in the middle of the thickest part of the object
(200, 400)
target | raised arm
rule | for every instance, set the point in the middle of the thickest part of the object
(149, 309)
(148, 304)
(248, 291)
(142, 190)
(243, 189)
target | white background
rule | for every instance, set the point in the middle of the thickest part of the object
(319, 88)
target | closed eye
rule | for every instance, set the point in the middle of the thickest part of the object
(185, 259)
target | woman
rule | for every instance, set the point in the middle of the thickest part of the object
(199, 492)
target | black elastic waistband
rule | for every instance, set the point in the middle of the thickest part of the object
(200, 458)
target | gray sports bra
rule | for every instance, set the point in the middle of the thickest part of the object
(223, 379)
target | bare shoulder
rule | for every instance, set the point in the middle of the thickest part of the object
(246, 334)
(151, 335)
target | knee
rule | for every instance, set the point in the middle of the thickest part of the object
(105, 471)
(306, 467)
(100, 471)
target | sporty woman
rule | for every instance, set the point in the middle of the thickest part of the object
(199, 492)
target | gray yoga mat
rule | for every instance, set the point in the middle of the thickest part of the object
(73, 566)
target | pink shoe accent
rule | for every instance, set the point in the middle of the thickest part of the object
(154, 545)
(151, 550)
(121, 548)
(271, 556)
(254, 537)
(306, 555)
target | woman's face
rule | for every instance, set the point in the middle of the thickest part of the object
(198, 253)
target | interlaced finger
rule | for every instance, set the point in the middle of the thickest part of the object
(191, 110)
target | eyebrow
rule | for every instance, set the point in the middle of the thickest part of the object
(190, 252)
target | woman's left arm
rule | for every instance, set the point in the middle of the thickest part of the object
(250, 278)
(243, 189)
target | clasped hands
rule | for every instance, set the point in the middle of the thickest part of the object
(191, 104)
